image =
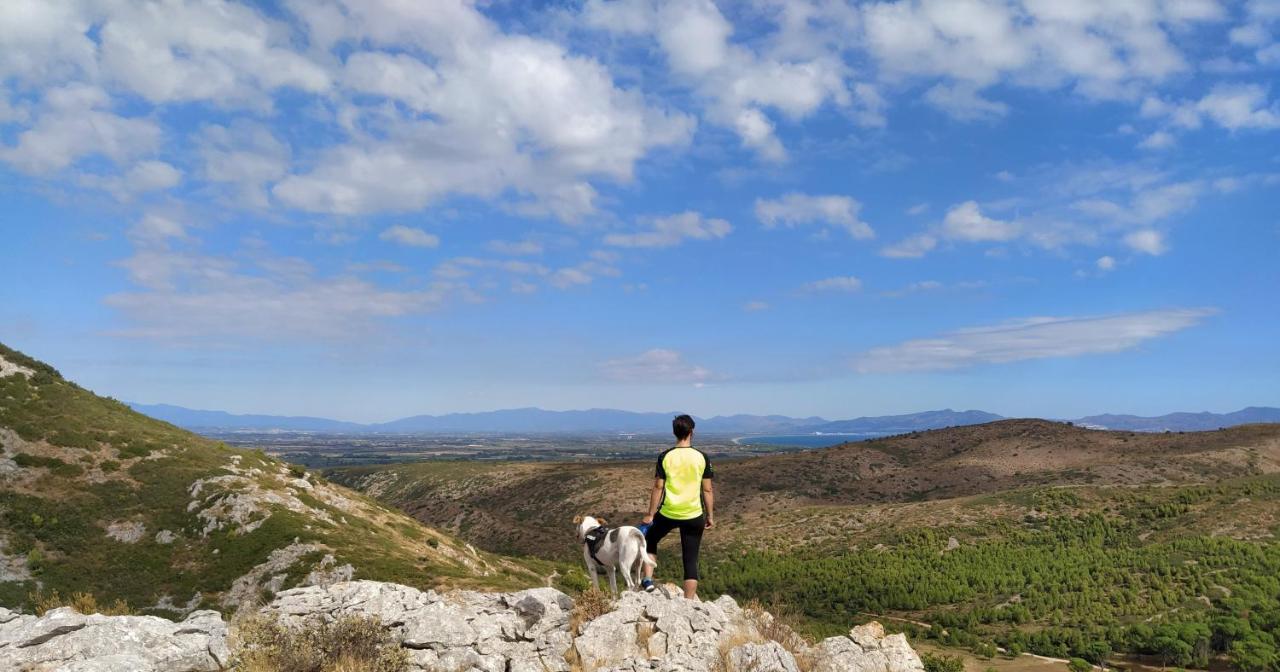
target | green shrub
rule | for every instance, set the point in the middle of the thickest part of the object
(942, 663)
(1079, 665)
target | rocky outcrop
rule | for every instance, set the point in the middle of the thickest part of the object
(64, 640)
(526, 631)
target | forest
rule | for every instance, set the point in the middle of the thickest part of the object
(1071, 584)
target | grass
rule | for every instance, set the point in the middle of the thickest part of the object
(352, 644)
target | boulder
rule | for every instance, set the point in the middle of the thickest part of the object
(767, 657)
(66, 640)
(866, 649)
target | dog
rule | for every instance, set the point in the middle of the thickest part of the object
(621, 548)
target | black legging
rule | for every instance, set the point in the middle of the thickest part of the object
(690, 539)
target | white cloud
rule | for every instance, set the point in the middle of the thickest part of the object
(912, 247)
(672, 230)
(846, 284)
(964, 103)
(409, 236)
(187, 296)
(738, 82)
(246, 156)
(657, 366)
(1031, 338)
(755, 306)
(75, 123)
(796, 209)
(966, 222)
(1105, 264)
(1158, 140)
(142, 177)
(1148, 241)
(918, 209)
(515, 247)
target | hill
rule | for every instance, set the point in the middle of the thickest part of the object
(1184, 422)
(97, 498)
(1024, 534)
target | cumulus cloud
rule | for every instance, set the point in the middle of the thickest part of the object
(796, 209)
(966, 222)
(740, 84)
(844, 283)
(1030, 338)
(1105, 263)
(76, 122)
(657, 366)
(409, 236)
(672, 230)
(912, 247)
(1147, 241)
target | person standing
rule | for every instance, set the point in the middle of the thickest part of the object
(682, 499)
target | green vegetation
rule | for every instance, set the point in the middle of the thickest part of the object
(89, 465)
(1075, 583)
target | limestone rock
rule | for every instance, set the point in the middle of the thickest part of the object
(767, 657)
(64, 639)
(525, 631)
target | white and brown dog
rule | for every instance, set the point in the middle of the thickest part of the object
(613, 549)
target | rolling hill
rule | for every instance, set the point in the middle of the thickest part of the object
(97, 498)
(1024, 534)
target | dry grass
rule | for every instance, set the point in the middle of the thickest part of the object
(778, 623)
(352, 644)
(591, 604)
(84, 603)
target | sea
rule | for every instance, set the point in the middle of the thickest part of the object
(806, 440)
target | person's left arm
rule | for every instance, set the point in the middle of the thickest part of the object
(709, 493)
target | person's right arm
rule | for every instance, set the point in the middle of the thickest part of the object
(655, 500)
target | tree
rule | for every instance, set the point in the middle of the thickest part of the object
(1079, 665)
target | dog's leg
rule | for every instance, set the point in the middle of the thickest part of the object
(627, 563)
(591, 569)
(613, 580)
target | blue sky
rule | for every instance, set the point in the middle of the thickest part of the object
(366, 210)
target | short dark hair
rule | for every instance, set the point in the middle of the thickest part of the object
(682, 427)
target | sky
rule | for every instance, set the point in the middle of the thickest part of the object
(368, 209)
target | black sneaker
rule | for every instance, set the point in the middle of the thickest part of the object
(648, 586)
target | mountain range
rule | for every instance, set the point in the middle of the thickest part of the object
(601, 420)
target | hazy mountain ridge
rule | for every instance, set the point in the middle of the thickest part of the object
(606, 420)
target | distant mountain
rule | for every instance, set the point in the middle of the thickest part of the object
(606, 420)
(196, 419)
(1183, 422)
(899, 424)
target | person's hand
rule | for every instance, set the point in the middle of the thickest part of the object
(648, 520)
(711, 522)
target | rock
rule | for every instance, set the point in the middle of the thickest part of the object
(269, 575)
(95, 643)
(525, 631)
(165, 537)
(866, 649)
(127, 531)
(767, 657)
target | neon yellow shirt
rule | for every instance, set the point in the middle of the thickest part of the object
(682, 471)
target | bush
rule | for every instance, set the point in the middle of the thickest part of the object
(84, 603)
(352, 644)
(1079, 665)
(942, 663)
(590, 605)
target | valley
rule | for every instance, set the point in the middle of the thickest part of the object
(1025, 535)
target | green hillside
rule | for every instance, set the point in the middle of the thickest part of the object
(97, 498)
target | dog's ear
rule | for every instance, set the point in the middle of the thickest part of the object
(577, 519)
(602, 521)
